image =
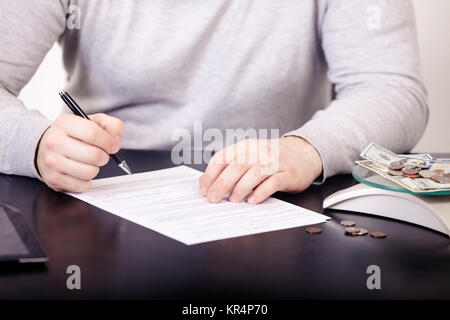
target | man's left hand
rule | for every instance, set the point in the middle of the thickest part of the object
(258, 168)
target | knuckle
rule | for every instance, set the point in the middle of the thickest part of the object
(91, 133)
(220, 182)
(61, 120)
(52, 141)
(50, 162)
(256, 171)
(120, 124)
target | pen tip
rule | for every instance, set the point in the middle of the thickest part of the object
(125, 167)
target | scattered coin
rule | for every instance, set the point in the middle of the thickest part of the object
(352, 231)
(362, 232)
(377, 234)
(355, 231)
(395, 172)
(348, 223)
(313, 230)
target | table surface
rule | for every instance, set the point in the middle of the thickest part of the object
(120, 259)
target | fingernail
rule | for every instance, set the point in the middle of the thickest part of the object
(212, 197)
(115, 149)
(203, 191)
(251, 200)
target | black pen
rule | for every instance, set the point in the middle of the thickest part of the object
(70, 102)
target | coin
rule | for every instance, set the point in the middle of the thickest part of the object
(352, 230)
(355, 231)
(313, 230)
(397, 165)
(411, 175)
(395, 172)
(416, 163)
(426, 173)
(348, 223)
(441, 178)
(362, 232)
(377, 234)
(410, 170)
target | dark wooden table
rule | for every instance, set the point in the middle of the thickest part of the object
(119, 259)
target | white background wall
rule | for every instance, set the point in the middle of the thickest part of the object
(433, 22)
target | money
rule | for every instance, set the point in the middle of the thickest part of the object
(441, 178)
(397, 165)
(377, 234)
(412, 172)
(350, 230)
(313, 230)
(426, 174)
(348, 223)
(380, 155)
(355, 231)
(395, 172)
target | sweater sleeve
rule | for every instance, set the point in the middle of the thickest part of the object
(28, 29)
(372, 55)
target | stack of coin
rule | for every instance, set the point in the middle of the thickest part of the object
(417, 168)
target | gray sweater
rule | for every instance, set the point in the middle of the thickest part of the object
(161, 65)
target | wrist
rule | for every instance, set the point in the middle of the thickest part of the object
(307, 151)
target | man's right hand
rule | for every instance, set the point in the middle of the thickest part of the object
(73, 149)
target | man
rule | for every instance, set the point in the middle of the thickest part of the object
(161, 65)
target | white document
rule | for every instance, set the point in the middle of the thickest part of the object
(168, 201)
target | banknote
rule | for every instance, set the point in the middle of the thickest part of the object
(383, 171)
(418, 185)
(379, 155)
(440, 165)
(415, 172)
(423, 156)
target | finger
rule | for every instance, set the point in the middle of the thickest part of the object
(226, 181)
(268, 187)
(79, 151)
(75, 169)
(61, 182)
(92, 133)
(253, 177)
(112, 125)
(218, 163)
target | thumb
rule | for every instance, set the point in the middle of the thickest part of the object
(113, 126)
